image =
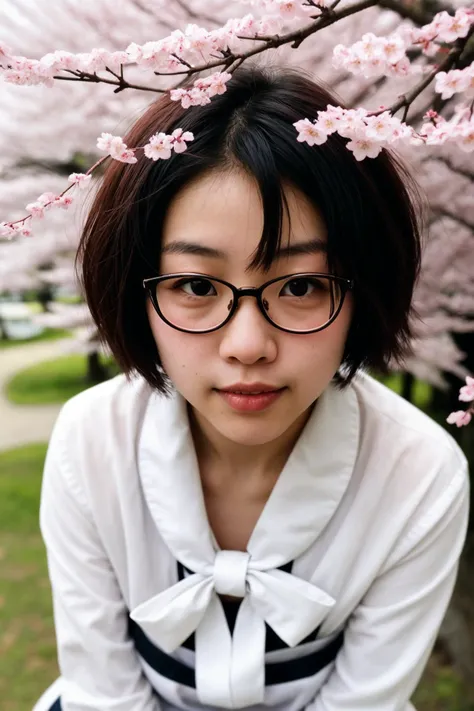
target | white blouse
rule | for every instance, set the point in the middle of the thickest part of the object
(345, 581)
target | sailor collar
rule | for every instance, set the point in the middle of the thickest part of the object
(230, 668)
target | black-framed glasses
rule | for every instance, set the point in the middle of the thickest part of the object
(295, 303)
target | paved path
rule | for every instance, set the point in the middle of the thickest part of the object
(22, 424)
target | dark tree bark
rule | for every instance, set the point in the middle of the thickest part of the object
(97, 372)
(408, 383)
(3, 331)
(45, 297)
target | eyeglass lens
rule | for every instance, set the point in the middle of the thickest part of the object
(297, 303)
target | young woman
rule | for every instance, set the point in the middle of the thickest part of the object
(245, 518)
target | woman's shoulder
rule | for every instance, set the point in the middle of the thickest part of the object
(415, 465)
(393, 423)
(112, 410)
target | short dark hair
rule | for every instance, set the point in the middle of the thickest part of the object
(371, 209)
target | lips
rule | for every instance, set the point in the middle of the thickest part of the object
(250, 389)
(247, 399)
(251, 392)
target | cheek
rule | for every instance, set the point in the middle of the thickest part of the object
(322, 351)
(178, 351)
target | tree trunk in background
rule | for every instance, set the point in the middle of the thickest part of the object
(3, 331)
(96, 371)
(45, 296)
(408, 383)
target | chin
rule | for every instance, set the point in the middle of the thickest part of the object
(250, 434)
(256, 428)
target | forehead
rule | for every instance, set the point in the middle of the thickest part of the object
(224, 212)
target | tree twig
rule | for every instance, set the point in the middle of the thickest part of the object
(406, 100)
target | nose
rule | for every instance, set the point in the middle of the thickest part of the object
(248, 337)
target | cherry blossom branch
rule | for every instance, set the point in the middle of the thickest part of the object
(406, 100)
(160, 146)
(368, 133)
(120, 84)
(327, 18)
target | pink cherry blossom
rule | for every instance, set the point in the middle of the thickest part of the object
(247, 26)
(104, 142)
(125, 156)
(351, 121)
(198, 39)
(328, 121)
(466, 393)
(466, 139)
(116, 148)
(393, 49)
(368, 133)
(5, 52)
(449, 83)
(381, 127)
(202, 91)
(7, 230)
(460, 418)
(217, 83)
(134, 52)
(290, 9)
(340, 55)
(10, 230)
(46, 199)
(82, 180)
(36, 209)
(182, 96)
(372, 56)
(309, 133)
(363, 147)
(159, 147)
(180, 139)
(451, 28)
(64, 201)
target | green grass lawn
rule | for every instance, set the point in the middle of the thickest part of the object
(51, 381)
(69, 299)
(49, 334)
(27, 645)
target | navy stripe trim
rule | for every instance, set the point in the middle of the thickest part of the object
(56, 706)
(277, 673)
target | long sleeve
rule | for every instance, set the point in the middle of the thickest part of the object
(99, 666)
(390, 635)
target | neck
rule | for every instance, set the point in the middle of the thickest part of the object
(239, 463)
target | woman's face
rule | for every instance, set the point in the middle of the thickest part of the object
(223, 212)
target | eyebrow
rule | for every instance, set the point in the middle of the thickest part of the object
(312, 246)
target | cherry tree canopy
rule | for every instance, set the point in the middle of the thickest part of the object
(33, 147)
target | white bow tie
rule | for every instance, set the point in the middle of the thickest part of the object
(230, 670)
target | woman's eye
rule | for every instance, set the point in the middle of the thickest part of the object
(197, 287)
(301, 287)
